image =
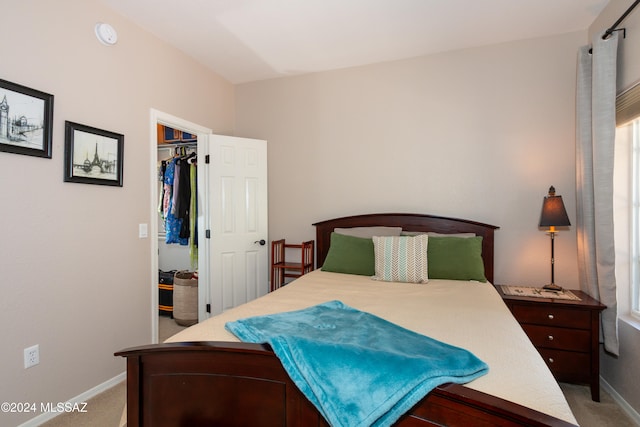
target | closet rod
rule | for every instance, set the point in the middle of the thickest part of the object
(183, 144)
(614, 27)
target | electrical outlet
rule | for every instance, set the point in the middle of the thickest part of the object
(31, 356)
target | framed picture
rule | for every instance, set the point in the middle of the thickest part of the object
(92, 156)
(26, 120)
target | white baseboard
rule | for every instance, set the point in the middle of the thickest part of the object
(79, 399)
(635, 416)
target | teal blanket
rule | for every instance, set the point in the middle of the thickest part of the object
(356, 368)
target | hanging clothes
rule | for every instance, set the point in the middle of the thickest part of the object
(172, 223)
(193, 215)
(183, 196)
(162, 168)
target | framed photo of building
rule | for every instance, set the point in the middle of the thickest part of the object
(26, 120)
(92, 156)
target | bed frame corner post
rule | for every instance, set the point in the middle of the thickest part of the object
(134, 390)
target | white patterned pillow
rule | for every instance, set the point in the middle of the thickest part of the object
(401, 258)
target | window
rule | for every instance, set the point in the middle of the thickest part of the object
(627, 200)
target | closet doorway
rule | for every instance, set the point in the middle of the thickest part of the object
(232, 218)
(168, 257)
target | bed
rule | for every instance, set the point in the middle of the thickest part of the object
(205, 376)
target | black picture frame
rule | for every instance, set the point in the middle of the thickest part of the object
(92, 155)
(26, 120)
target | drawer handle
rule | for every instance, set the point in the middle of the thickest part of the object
(550, 337)
(550, 317)
(551, 360)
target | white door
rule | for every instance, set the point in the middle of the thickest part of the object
(233, 224)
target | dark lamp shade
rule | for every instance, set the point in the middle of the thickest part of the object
(553, 212)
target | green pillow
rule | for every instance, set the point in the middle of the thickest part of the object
(456, 258)
(351, 255)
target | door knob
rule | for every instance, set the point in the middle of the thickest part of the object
(261, 241)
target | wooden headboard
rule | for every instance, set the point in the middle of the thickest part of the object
(408, 222)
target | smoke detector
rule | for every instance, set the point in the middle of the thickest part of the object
(106, 34)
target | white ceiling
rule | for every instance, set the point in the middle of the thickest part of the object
(247, 40)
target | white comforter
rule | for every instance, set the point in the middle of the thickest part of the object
(470, 315)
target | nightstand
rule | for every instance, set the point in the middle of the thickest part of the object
(565, 333)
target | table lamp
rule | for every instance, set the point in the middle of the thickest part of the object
(553, 215)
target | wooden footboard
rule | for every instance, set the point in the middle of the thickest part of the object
(238, 384)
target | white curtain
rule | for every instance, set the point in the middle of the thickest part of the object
(595, 135)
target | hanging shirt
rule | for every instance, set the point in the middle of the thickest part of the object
(183, 199)
(172, 224)
(193, 218)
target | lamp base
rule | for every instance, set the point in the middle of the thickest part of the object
(552, 287)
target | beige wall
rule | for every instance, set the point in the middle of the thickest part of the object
(479, 133)
(75, 276)
(622, 372)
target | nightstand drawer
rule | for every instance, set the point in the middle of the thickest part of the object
(552, 316)
(560, 338)
(566, 365)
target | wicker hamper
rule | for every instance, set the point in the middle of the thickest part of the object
(185, 298)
